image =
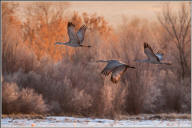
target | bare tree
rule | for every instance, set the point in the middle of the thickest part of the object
(177, 25)
(9, 37)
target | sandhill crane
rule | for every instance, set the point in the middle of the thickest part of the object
(75, 39)
(152, 57)
(116, 67)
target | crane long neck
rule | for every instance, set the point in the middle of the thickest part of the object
(66, 43)
(141, 61)
(101, 61)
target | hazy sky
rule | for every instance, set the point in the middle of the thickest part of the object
(114, 10)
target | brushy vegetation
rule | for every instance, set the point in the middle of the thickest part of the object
(40, 77)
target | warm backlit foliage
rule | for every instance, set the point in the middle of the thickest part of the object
(42, 29)
(62, 80)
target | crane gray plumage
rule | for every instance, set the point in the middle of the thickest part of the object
(159, 55)
(117, 68)
(75, 39)
(152, 57)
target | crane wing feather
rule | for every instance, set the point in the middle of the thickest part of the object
(110, 66)
(160, 56)
(81, 33)
(71, 33)
(149, 52)
(117, 73)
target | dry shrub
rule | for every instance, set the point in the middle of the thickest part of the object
(81, 102)
(63, 93)
(9, 96)
(17, 100)
(176, 95)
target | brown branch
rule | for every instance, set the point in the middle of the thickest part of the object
(186, 30)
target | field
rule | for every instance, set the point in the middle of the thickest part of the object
(66, 83)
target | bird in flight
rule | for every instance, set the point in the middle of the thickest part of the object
(117, 68)
(152, 57)
(75, 38)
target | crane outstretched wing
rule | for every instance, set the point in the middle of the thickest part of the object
(117, 73)
(81, 33)
(149, 52)
(71, 33)
(108, 69)
(110, 66)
